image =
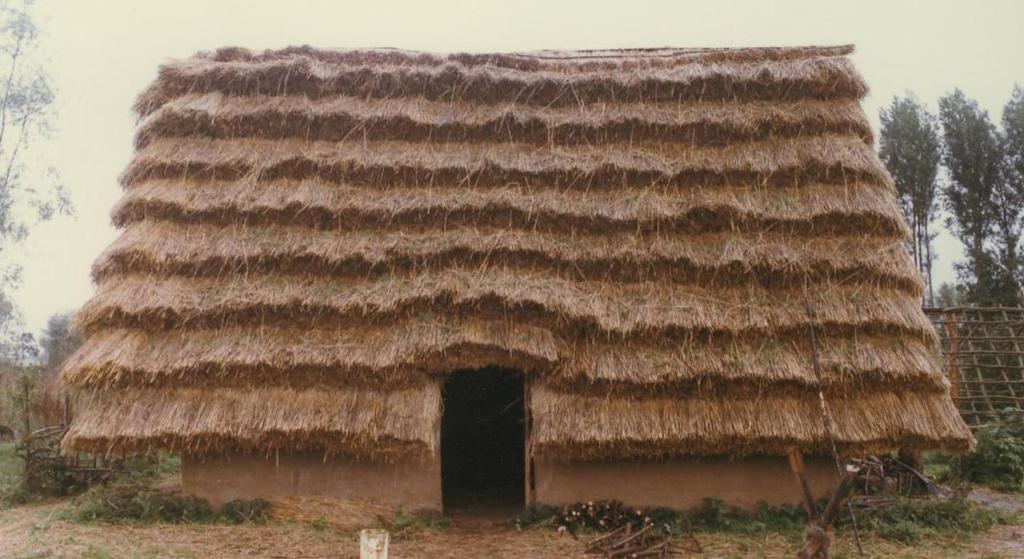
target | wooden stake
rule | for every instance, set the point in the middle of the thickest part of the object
(953, 356)
(817, 539)
(529, 484)
(826, 419)
(796, 463)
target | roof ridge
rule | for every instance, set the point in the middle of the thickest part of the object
(337, 55)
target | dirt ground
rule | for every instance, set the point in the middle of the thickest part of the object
(37, 532)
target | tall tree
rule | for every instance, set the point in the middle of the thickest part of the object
(29, 190)
(909, 146)
(1013, 169)
(974, 194)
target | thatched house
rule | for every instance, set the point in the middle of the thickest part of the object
(400, 276)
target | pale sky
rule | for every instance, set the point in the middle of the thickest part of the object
(103, 53)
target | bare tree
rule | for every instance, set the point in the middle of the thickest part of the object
(30, 191)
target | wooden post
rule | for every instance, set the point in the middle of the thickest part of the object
(818, 538)
(796, 463)
(911, 458)
(530, 495)
(373, 544)
(954, 356)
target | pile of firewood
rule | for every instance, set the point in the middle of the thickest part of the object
(626, 542)
(599, 515)
(887, 475)
(631, 533)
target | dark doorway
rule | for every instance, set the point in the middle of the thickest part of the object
(483, 441)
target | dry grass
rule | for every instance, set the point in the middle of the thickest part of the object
(34, 532)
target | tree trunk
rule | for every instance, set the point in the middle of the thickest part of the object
(928, 265)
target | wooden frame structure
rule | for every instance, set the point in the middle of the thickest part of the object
(984, 351)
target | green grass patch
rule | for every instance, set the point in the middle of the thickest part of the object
(135, 503)
(907, 521)
(10, 466)
(910, 520)
(713, 516)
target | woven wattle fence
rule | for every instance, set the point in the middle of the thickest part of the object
(984, 351)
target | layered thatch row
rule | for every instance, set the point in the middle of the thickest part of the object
(593, 427)
(414, 351)
(358, 422)
(400, 423)
(167, 248)
(832, 159)
(623, 309)
(314, 239)
(815, 209)
(340, 118)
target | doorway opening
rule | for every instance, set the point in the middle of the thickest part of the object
(483, 440)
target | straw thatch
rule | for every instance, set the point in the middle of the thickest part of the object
(361, 422)
(314, 239)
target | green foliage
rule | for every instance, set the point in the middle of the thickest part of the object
(119, 503)
(908, 520)
(10, 470)
(998, 460)
(42, 470)
(948, 296)
(241, 511)
(58, 342)
(536, 515)
(11, 491)
(902, 531)
(404, 522)
(938, 466)
(142, 469)
(715, 516)
(321, 524)
(985, 208)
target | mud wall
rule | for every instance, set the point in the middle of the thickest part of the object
(223, 478)
(682, 483)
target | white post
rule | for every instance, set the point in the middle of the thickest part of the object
(373, 544)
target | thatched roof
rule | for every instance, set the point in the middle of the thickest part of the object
(313, 239)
